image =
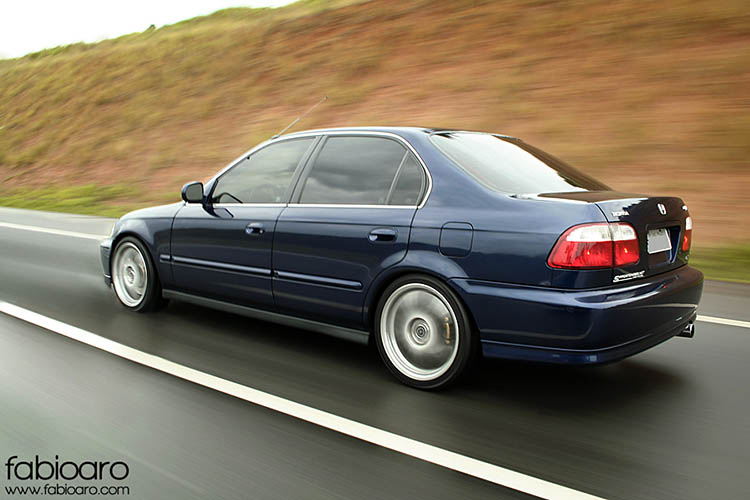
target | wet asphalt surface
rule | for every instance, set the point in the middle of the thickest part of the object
(671, 423)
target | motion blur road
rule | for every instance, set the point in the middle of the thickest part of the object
(671, 423)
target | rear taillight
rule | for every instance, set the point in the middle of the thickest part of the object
(626, 244)
(688, 236)
(596, 246)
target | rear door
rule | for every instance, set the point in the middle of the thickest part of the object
(349, 219)
(222, 248)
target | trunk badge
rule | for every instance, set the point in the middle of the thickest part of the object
(619, 213)
(662, 208)
(629, 276)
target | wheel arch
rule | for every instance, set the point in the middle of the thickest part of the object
(387, 277)
(464, 359)
(134, 231)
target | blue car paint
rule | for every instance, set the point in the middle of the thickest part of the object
(490, 248)
(582, 320)
(338, 244)
(216, 253)
(456, 239)
(152, 226)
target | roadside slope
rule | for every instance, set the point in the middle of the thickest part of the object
(646, 96)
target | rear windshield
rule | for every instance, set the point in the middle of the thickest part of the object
(511, 166)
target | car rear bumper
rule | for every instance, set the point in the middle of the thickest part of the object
(581, 326)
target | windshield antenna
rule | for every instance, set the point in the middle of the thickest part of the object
(325, 98)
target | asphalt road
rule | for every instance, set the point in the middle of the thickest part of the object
(673, 422)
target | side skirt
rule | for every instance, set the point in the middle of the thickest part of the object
(341, 332)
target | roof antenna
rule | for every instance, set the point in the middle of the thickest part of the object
(325, 98)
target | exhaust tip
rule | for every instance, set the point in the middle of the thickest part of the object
(688, 331)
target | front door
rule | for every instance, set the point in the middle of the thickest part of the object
(222, 249)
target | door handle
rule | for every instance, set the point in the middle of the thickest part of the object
(255, 229)
(382, 235)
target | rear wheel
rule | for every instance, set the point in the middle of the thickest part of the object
(423, 332)
(134, 277)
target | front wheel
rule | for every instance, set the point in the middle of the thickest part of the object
(423, 332)
(134, 277)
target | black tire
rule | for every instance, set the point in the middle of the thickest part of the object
(150, 299)
(408, 336)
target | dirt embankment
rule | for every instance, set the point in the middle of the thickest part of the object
(648, 96)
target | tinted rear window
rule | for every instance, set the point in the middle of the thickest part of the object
(353, 170)
(409, 184)
(511, 166)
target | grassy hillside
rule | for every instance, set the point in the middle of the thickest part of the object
(648, 96)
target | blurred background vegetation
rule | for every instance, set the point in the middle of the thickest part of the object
(647, 96)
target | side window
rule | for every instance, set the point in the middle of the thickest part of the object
(353, 170)
(409, 183)
(264, 177)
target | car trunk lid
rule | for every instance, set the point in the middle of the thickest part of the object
(659, 222)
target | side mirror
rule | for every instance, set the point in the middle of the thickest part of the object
(192, 192)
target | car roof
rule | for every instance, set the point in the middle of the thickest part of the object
(392, 130)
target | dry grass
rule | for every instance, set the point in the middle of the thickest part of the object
(648, 96)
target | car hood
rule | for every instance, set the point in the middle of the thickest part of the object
(158, 212)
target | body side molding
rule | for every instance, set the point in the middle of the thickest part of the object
(220, 265)
(319, 280)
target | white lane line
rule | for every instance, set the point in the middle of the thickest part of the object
(407, 446)
(723, 321)
(48, 230)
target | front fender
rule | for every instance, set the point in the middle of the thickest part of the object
(155, 234)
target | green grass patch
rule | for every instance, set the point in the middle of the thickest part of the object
(107, 201)
(726, 263)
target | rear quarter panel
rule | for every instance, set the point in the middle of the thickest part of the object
(512, 236)
(511, 240)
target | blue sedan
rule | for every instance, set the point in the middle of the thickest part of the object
(438, 246)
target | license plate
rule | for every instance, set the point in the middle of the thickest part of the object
(658, 241)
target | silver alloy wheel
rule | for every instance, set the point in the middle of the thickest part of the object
(130, 274)
(419, 331)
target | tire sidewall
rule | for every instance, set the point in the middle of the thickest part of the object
(466, 341)
(153, 288)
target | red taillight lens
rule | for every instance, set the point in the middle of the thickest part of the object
(688, 236)
(626, 244)
(588, 246)
(595, 246)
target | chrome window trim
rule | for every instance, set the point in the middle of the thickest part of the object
(301, 205)
(259, 205)
(366, 133)
(229, 205)
(348, 205)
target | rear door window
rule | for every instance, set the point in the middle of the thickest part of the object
(354, 170)
(409, 184)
